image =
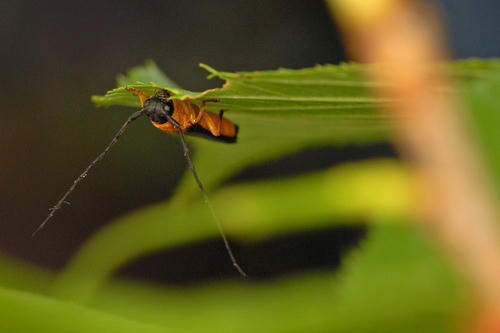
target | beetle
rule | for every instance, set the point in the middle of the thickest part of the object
(175, 117)
(192, 120)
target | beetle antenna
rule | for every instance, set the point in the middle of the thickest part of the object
(85, 172)
(205, 197)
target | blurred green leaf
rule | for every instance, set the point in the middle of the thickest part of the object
(398, 279)
(360, 191)
(150, 72)
(23, 276)
(26, 312)
(393, 283)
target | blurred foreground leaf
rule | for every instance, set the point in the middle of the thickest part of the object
(393, 283)
(362, 191)
(26, 312)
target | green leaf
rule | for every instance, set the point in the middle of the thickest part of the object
(27, 312)
(285, 111)
(318, 103)
(23, 276)
(150, 72)
(368, 191)
(394, 283)
(136, 77)
(252, 216)
(278, 112)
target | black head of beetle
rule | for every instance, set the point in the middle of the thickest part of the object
(158, 107)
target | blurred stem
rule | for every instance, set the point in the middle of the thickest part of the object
(406, 38)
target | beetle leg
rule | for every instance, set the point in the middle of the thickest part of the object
(221, 114)
(211, 124)
(142, 96)
(202, 110)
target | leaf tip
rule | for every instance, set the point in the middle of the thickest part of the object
(150, 63)
(98, 100)
(213, 72)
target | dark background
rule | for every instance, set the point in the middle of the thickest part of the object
(55, 54)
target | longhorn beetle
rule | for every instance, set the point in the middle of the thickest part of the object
(177, 117)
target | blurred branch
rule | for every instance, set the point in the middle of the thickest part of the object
(406, 39)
